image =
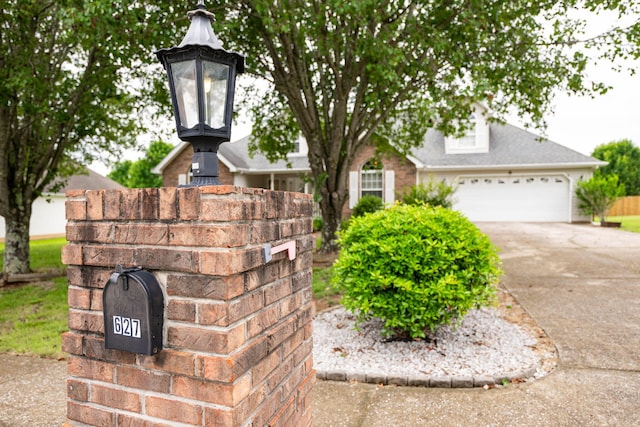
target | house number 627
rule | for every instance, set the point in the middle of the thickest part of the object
(126, 326)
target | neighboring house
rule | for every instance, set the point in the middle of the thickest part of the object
(48, 216)
(502, 172)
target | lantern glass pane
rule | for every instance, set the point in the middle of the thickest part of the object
(215, 93)
(184, 80)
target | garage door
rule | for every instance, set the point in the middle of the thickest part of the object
(532, 198)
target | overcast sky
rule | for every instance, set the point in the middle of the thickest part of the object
(582, 123)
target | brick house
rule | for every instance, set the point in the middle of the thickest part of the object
(502, 172)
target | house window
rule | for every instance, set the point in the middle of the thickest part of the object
(371, 182)
(475, 139)
(469, 139)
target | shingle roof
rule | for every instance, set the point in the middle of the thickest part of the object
(90, 181)
(237, 153)
(508, 146)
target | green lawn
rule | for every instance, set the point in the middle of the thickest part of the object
(629, 223)
(33, 316)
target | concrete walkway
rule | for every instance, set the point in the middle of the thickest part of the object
(580, 283)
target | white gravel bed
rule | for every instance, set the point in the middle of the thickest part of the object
(483, 345)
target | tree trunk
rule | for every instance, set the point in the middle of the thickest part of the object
(16, 244)
(330, 223)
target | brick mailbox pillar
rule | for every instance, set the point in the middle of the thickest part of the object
(237, 343)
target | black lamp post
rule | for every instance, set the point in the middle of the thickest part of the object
(202, 81)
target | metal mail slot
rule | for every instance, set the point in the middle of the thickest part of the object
(133, 306)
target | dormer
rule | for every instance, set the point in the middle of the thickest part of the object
(476, 138)
(301, 149)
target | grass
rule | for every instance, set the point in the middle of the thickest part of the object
(33, 316)
(629, 223)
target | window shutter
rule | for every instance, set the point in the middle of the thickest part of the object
(353, 189)
(389, 187)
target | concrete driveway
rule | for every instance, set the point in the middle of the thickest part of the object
(582, 285)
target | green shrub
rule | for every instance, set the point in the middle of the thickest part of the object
(415, 268)
(317, 224)
(366, 204)
(432, 193)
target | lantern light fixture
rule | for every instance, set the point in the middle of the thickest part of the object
(202, 79)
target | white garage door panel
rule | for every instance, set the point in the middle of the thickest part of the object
(506, 198)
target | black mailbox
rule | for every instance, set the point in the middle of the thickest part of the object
(133, 307)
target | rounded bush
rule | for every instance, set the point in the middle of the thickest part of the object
(366, 204)
(415, 268)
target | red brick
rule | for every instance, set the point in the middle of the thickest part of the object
(231, 209)
(293, 381)
(285, 412)
(201, 286)
(99, 232)
(280, 333)
(264, 232)
(95, 205)
(141, 234)
(229, 262)
(303, 352)
(189, 203)
(170, 360)
(246, 305)
(228, 369)
(268, 409)
(276, 291)
(77, 390)
(94, 349)
(214, 417)
(115, 398)
(112, 202)
(133, 377)
(213, 236)
(288, 346)
(166, 259)
(130, 204)
(88, 321)
(75, 210)
(167, 203)
(227, 394)
(198, 339)
(72, 254)
(215, 313)
(149, 204)
(96, 299)
(130, 421)
(261, 276)
(274, 204)
(277, 376)
(72, 343)
(79, 297)
(222, 189)
(267, 365)
(181, 310)
(90, 369)
(173, 410)
(263, 321)
(88, 276)
(89, 415)
(107, 256)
